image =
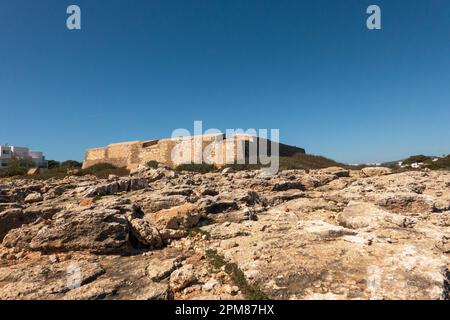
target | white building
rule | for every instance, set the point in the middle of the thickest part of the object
(9, 152)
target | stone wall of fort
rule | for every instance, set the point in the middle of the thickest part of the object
(215, 149)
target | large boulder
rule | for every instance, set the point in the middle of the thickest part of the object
(146, 234)
(184, 216)
(99, 231)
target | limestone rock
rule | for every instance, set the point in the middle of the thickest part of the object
(360, 215)
(344, 236)
(288, 185)
(99, 231)
(158, 269)
(33, 197)
(337, 171)
(96, 290)
(33, 171)
(186, 216)
(182, 277)
(157, 291)
(375, 171)
(13, 218)
(324, 229)
(146, 234)
(210, 285)
(127, 184)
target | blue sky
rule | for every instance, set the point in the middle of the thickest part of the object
(140, 69)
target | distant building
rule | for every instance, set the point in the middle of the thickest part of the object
(9, 152)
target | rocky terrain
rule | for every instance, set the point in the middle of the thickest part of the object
(160, 234)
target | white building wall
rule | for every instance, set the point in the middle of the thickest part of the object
(7, 152)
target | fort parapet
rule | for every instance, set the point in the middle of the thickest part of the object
(216, 149)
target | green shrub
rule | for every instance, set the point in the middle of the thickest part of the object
(307, 161)
(22, 163)
(99, 167)
(251, 292)
(71, 164)
(53, 164)
(17, 167)
(417, 158)
(244, 167)
(153, 164)
(12, 171)
(440, 164)
(199, 168)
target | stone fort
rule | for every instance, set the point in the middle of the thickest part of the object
(216, 149)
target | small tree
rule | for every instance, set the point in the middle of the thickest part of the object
(71, 164)
(53, 164)
(18, 166)
(26, 162)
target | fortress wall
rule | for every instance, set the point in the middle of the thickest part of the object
(118, 154)
(149, 153)
(165, 149)
(214, 149)
(94, 156)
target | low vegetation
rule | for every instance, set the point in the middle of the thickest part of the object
(417, 159)
(307, 161)
(103, 170)
(59, 170)
(440, 164)
(197, 167)
(297, 161)
(153, 164)
(251, 292)
(17, 167)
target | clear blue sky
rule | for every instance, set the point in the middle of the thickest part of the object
(140, 69)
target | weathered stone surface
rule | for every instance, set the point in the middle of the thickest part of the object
(324, 229)
(337, 171)
(182, 277)
(160, 269)
(127, 184)
(185, 216)
(99, 231)
(98, 290)
(288, 185)
(158, 291)
(345, 236)
(146, 234)
(33, 197)
(360, 215)
(218, 204)
(375, 171)
(46, 281)
(11, 219)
